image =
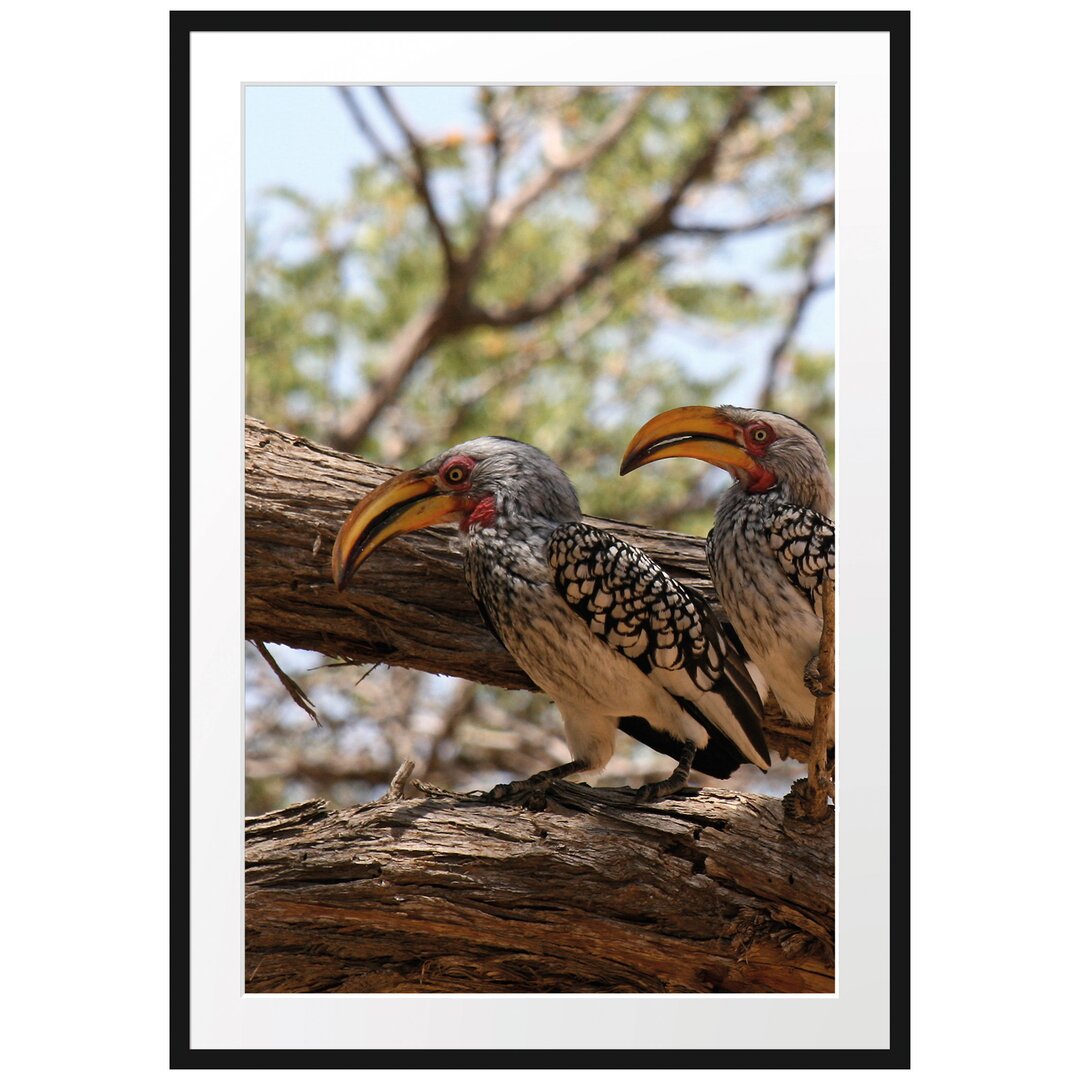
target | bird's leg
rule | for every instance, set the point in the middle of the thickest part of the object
(502, 792)
(813, 681)
(675, 782)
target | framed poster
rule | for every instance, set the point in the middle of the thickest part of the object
(230, 73)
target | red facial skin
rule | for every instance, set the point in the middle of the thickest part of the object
(756, 446)
(481, 512)
(463, 462)
(763, 479)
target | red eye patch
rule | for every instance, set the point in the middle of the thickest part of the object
(757, 437)
(456, 472)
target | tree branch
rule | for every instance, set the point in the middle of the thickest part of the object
(457, 709)
(528, 357)
(411, 606)
(656, 223)
(496, 138)
(406, 350)
(809, 797)
(715, 893)
(418, 176)
(779, 217)
(506, 211)
(809, 287)
(289, 684)
(820, 785)
(455, 311)
(352, 107)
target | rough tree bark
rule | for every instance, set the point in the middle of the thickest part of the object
(718, 892)
(412, 607)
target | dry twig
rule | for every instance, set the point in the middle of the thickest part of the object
(291, 686)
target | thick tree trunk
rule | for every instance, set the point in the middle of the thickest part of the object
(411, 606)
(713, 892)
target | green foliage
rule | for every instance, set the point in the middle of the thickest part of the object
(808, 394)
(326, 299)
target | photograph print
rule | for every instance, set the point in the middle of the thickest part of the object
(540, 685)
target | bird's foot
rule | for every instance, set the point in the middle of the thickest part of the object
(672, 785)
(662, 789)
(532, 793)
(525, 793)
(813, 681)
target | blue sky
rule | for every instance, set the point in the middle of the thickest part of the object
(301, 137)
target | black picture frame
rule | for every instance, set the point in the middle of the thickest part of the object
(185, 23)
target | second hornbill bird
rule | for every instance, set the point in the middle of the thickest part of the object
(772, 544)
(593, 621)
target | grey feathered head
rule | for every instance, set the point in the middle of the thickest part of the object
(523, 481)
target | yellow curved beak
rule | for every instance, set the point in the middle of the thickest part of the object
(404, 503)
(694, 431)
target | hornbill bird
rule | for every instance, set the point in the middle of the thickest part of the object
(771, 546)
(593, 621)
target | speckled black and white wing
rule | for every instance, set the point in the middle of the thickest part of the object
(804, 542)
(665, 628)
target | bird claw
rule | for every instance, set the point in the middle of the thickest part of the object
(662, 789)
(531, 796)
(813, 682)
(537, 798)
(502, 792)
